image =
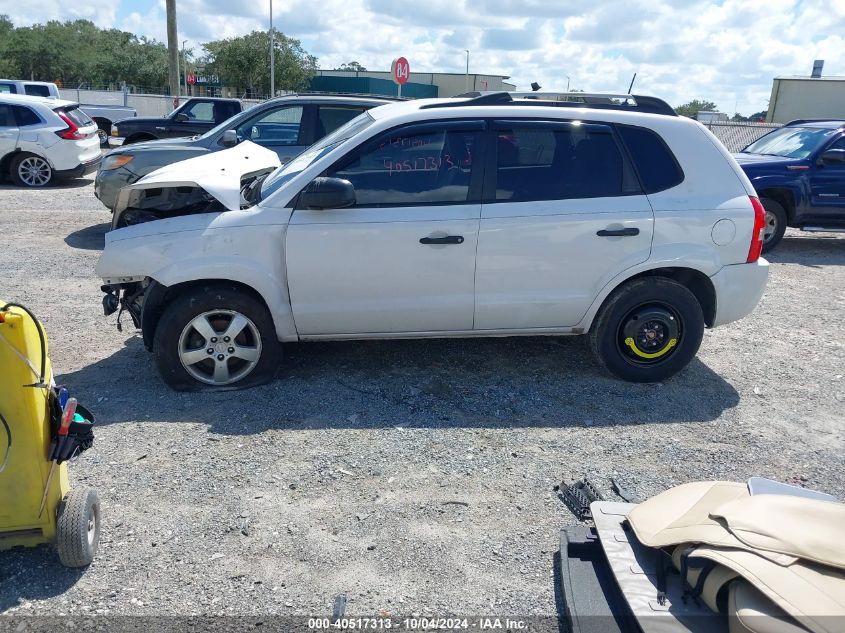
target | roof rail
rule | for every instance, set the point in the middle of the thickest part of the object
(831, 120)
(621, 102)
(324, 93)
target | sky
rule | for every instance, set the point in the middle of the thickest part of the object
(726, 51)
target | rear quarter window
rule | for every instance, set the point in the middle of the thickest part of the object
(657, 167)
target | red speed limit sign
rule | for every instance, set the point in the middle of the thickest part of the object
(401, 70)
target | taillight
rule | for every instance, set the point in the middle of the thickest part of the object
(72, 133)
(757, 235)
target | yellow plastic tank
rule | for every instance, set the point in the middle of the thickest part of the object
(25, 437)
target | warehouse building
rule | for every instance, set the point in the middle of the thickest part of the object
(421, 85)
(813, 97)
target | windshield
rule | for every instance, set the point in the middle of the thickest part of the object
(285, 173)
(790, 142)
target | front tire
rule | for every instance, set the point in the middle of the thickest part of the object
(775, 226)
(647, 330)
(78, 527)
(29, 170)
(216, 337)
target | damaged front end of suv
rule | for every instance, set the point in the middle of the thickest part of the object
(207, 186)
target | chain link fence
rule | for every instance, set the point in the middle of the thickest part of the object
(735, 136)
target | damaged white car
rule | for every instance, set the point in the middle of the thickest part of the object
(485, 216)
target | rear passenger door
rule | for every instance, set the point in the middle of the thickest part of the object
(563, 214)
(8, 130)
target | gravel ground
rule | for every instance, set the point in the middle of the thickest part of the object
(414, 476)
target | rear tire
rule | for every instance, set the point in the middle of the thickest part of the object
(30, 170)
(103, 131)
(234, 325)
(776, 221)
(647, 330)
(78, 527)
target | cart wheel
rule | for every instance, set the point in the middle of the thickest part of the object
(79, 527)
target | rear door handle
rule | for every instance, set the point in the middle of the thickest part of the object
(618, 232)
(449, 239)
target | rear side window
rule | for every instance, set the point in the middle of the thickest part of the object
(558, 163)
(657, 166)
(332, 117)
(411, 169)
(7, 89)
(24, 116)
(36, 90)
(78, 117)
(7, 119)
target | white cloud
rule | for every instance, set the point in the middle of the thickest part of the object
(726, 51)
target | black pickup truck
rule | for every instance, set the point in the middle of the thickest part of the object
(195, 116)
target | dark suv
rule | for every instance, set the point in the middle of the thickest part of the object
(286, 125)
(799, 172)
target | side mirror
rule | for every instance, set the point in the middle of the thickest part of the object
(181, 117)
(833, 157)
(229, 138)
(328, 193)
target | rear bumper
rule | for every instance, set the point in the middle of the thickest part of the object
(81, 169)
(116, 141)
(738, 290)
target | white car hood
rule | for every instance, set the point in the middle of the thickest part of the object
(218, 173)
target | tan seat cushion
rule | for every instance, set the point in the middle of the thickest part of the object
(805, 528)
(812, 594)
(682, 515)
(751, 612)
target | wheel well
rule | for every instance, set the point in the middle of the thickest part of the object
(159, 296)
(784, 196)
(101, 122)
(695, 281)
(6, 162)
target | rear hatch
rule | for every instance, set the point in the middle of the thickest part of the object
(81, 130)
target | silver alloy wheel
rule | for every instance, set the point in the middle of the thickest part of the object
(220, 347)
(92, 527)
(34, 171)
(771, 226)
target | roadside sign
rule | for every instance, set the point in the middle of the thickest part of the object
(192, 78)
(400, 70)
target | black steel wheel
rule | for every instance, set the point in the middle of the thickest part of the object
(647, 330)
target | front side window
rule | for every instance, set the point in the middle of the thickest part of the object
(790, 142)
(6, 89)
(433, 166)
(560, 162)
(276, 127)
(202, 111)
(24, 116)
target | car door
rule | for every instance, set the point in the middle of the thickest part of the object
(563, 213)
(402, 259)
(277, 128)
(8, 130)
(827, 187)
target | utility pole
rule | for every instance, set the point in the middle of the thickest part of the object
(185, 66)
(173, 51)
(466, 81)
(272, 56)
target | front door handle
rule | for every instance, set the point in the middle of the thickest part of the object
(449, 239)
(618, 232)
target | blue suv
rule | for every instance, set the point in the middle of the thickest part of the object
(799, 173)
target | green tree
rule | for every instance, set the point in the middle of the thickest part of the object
(353, 65)
(694, 107)
(243, 62)
(7, 68)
